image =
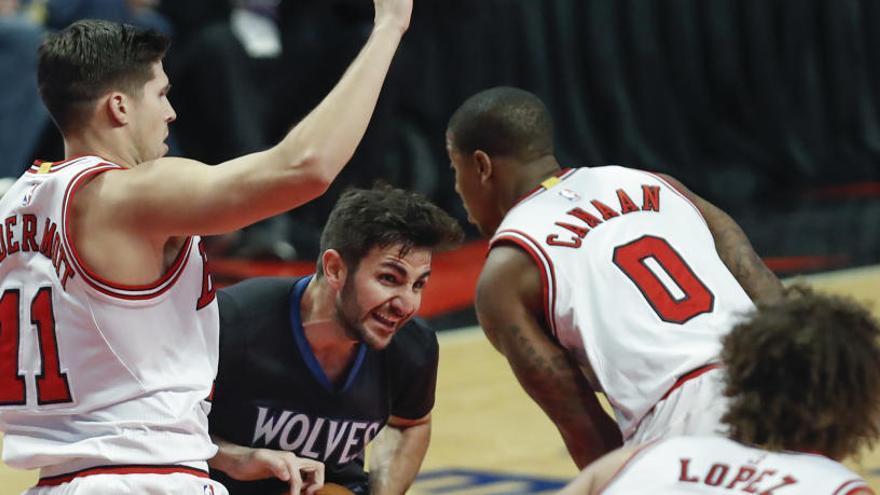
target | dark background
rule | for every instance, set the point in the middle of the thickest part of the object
(768, 108)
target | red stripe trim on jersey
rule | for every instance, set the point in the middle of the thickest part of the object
(55, 167)
(122, 291)
(561, 174)
(690, 375)
(133, 469)
(680, 193)
(545, 266)
(851, 486)
(640, 450)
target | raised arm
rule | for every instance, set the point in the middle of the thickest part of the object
(175, 197)
(510, 310)
(397, 453)
(735, 250)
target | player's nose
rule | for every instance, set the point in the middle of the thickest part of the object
(406, 303)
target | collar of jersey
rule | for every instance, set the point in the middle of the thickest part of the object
(305, 350)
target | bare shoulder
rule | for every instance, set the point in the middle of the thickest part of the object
(126, 180)
(599, 474)
(509, 272)
(677, 185)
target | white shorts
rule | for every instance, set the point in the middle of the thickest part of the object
(694, 408)
(140, 484)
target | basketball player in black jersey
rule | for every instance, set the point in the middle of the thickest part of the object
(318, 365)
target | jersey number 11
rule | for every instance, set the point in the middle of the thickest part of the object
(52, 386)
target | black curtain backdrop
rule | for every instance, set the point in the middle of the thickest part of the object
(757, 105)
(741, 99)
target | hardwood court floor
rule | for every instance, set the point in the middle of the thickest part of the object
(484, 423)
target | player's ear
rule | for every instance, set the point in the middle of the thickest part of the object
(484, 165)
(116, 105)
(334, 268)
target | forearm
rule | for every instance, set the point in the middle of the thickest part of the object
(395, 458)
(739, 256)
(326, 139)
(301, 167)
(226, 458)
(587, 442)
(587, 431)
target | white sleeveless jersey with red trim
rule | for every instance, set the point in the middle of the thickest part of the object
(715, 465)
(91, 372)
(633, 286)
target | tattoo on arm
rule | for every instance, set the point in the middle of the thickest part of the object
(741, 259)
(735, 250)
(560, 388)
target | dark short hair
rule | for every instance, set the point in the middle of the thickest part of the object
(804, 374)
(503, 121)
(384, 216)
(87, 59)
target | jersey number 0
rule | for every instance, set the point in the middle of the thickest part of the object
(52, 386)
(694, 298)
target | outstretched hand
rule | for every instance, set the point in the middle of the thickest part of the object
(395, 13)
(305, 475)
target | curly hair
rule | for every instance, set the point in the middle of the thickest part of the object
(85, 60)
(804, 374)
(383, 216)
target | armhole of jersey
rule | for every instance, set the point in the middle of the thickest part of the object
(680, 194)
(545, 266)
(851, 486)
(640, 450)
(95, 281)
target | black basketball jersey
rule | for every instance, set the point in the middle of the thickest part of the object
(271, 392)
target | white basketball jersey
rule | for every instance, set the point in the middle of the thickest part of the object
(633, 285)
(95, 373)
(715, 465)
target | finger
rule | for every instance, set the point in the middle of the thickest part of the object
(280, 469)
(295, 478)
(319, 474)
(314, 479)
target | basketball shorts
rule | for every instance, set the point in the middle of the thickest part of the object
(140, 484)
(694, 408)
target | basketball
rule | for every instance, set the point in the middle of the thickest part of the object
(334, 489)
(327, 489)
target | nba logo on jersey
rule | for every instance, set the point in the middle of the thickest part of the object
(26, 200)
(208, 489)
(569, 195)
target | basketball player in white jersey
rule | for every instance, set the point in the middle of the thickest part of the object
(108, 320)
(603, 279)
(803, 378)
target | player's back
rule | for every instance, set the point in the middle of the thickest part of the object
(95, 373)
(715, 465)
(634, 287)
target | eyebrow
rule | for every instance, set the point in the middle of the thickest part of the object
(400, 270)
(395, 266)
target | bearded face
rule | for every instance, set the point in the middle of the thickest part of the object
(382, 294)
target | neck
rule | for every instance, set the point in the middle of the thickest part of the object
(531, 174)
(107, 145)
(322, 329)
